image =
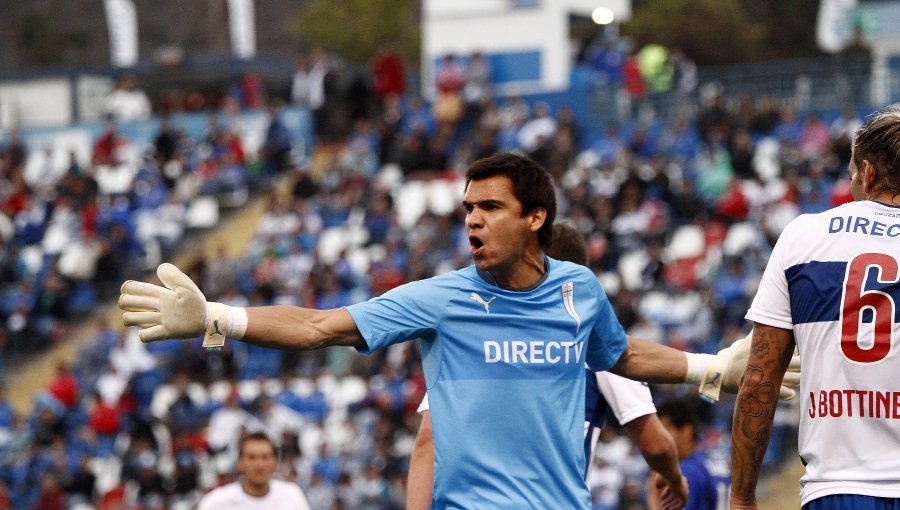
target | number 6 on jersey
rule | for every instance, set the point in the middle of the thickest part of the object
(856, 299)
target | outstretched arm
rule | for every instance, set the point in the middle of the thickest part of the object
(643, 360)
(754, 410)
(178, 309)
(290, 327)
(647, 361)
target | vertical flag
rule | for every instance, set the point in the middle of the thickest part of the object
(121, 19)
(834, 29)
(242, 26)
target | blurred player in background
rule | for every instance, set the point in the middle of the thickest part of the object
(831, 287)
(256, 490)
(629, 400)
(504, 343)
(708, 477)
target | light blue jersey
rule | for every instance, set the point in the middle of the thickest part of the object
(505, 375)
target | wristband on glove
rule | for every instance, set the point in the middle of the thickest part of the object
(706, 371)
(223, 321)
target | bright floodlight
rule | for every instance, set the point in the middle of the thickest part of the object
(603, 16)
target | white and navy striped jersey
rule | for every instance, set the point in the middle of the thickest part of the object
(627, 399)
(834, 279)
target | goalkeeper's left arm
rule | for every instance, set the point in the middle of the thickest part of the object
(647, 361)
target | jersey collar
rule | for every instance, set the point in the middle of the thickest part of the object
(892, 206)
(489, 278)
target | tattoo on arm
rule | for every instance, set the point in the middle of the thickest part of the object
(755, 407)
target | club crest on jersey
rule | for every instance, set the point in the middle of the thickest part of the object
(486, 304)
(568, 292)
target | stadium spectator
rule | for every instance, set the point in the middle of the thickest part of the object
(276, 147)
(842, 131)
(226, 425)
(257, 462)
(814, 136)
(318, 87)
(251, 91)
(715, 123)
(126, 103)
(108, 147)
(298, 86)
(64, 386)
(388, 73)
(538, 131)
(479, 86)
(684, 72)
(450, 79)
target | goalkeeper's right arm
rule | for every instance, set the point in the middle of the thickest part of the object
(179, 310)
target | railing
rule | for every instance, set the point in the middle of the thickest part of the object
(820, 84)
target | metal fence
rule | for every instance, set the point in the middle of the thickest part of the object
(818, 84)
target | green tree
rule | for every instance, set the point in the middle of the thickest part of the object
(39, 38)
(727, 31)
(710, 31)
(355, 28)
(787, 28)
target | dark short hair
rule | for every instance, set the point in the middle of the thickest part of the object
(532, 185)
(568, 244)
(255, 436)
(681, 412)
(878, 141)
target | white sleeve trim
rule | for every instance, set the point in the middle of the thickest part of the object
(628, 399)
(423, 406)
(768, 319)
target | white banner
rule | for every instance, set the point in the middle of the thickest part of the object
(243, 28)
(121, 18)
(833, 26)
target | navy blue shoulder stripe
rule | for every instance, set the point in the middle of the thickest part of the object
(815, 290)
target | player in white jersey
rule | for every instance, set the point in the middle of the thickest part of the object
(256, 490)
(504, 344)
(831, 286)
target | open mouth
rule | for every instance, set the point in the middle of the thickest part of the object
(476, 245)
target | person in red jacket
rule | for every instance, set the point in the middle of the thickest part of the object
(65, 386)
(389, 73)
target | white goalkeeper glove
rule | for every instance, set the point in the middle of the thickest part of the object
(723, 371)
(178, 310)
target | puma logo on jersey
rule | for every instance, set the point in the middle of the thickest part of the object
(487, 304)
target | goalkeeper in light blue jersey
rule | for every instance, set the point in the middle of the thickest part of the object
(504, 344)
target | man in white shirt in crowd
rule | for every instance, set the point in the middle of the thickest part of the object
(127, 103)
(256, 490)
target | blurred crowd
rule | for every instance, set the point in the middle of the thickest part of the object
(680, 215)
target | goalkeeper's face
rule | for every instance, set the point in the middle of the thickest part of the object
(499, 232)
(257, 461)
